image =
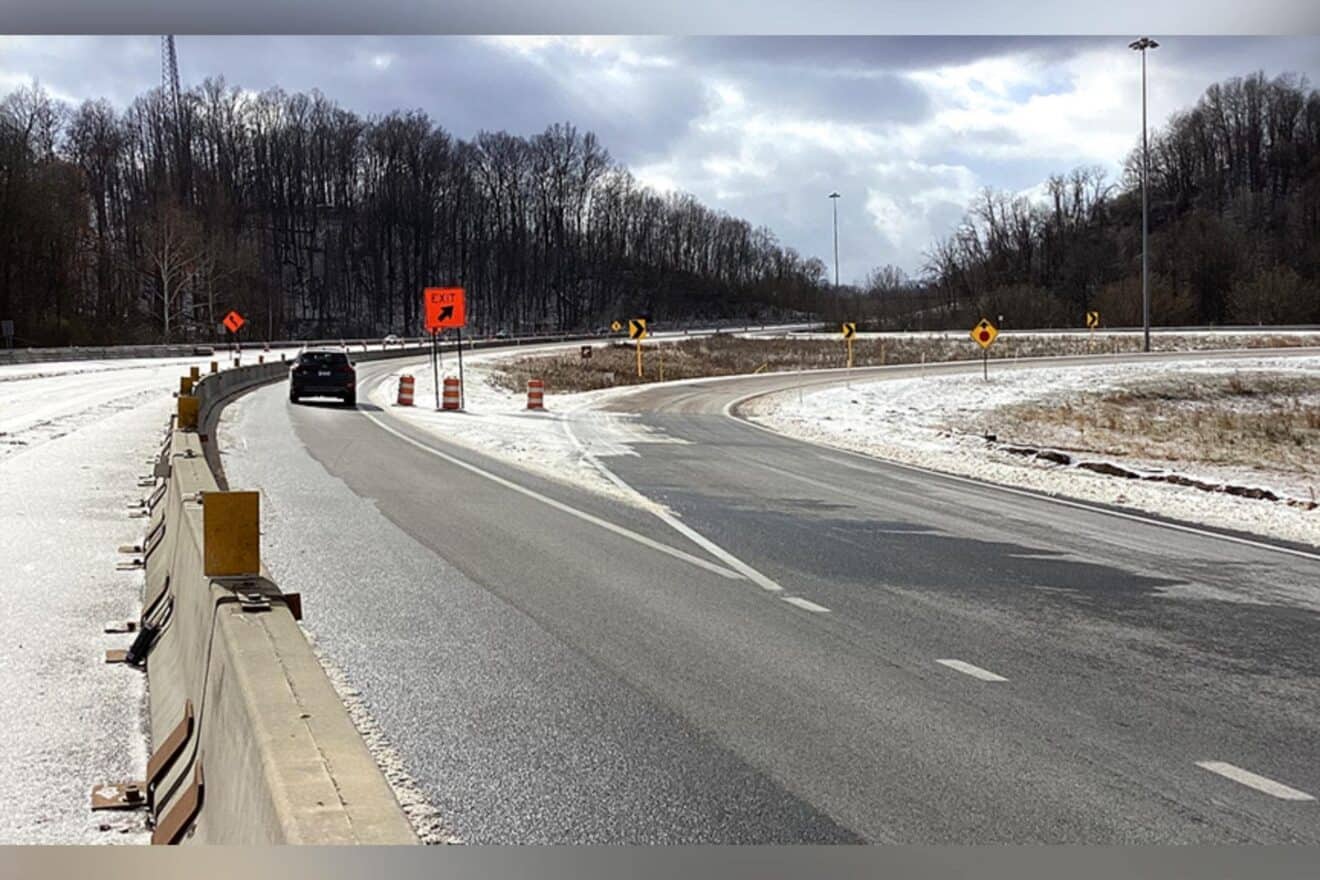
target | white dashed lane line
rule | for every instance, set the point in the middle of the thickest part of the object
(1256, 781)
(805, 604)
(973, 671)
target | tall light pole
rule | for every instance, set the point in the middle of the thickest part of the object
(834, 198)
(1141, 46)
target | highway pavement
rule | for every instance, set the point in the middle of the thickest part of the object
(814, 646)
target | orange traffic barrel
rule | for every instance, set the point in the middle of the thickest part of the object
(535, 394)
(450, 399)
(406, 390)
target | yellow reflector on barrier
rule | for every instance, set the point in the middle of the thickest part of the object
(195, 373)
(188, 406)
(231, 534)
(185, 385)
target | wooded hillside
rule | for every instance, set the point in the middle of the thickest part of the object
(151, 223)
(1234, 218)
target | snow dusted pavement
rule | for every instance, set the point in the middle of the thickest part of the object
(559, 442)
(73, 442)
(938, 422)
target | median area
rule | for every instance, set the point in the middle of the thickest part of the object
(726, 354)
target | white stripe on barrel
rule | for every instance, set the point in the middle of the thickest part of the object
(535, 394)
(450, 398)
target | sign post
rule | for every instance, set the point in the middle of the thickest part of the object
(7, 330)
(445, 307)
(435, 367)
(637, 330)
(462, 404)
(1092, 321)
(984, 333)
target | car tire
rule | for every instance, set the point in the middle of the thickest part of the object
(350, 400)
(293, 398)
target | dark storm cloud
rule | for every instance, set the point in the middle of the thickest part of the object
(878, 53)
(464, 84)
(866, 99)
(647, 16)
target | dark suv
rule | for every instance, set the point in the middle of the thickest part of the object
(323, 372)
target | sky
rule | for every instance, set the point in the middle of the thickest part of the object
(908, 130)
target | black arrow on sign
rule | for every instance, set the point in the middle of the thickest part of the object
(446, 312)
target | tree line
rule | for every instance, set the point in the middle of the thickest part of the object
(152, 222)
(1234, 193)
(312, 221)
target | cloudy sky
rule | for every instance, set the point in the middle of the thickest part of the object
(907, 129)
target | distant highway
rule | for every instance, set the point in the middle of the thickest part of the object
(815, 647)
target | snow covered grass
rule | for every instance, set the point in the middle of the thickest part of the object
(726, 354)
(1266, 421)
(74, 438)
(941, 421)
(71, 720)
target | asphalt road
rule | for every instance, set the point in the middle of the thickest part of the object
(819, 647)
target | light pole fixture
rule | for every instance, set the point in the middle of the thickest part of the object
(1141, 46)
(834, 198)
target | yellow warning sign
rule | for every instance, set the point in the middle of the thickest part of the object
(637, 328)
(849, 330)
(984, 333)
(231, 534)
(616, 326)
(1093, 319)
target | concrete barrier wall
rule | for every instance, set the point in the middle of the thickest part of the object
(270, 754)
(277, 757)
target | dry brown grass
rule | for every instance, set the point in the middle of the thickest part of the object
(1254, 420)
(724, 355)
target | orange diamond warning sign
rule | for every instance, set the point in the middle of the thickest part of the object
(233, 322)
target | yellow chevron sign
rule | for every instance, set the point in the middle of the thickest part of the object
(849, 330)
(1093, 319)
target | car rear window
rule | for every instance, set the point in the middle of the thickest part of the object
(324, 358)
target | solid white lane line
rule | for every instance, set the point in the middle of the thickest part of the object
(677, 525)
(805, 604)
(1254, 780)
(973, 671)
(559, 505)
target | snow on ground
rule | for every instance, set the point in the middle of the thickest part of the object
(559, 443)
(920, 421)
(73, 441)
